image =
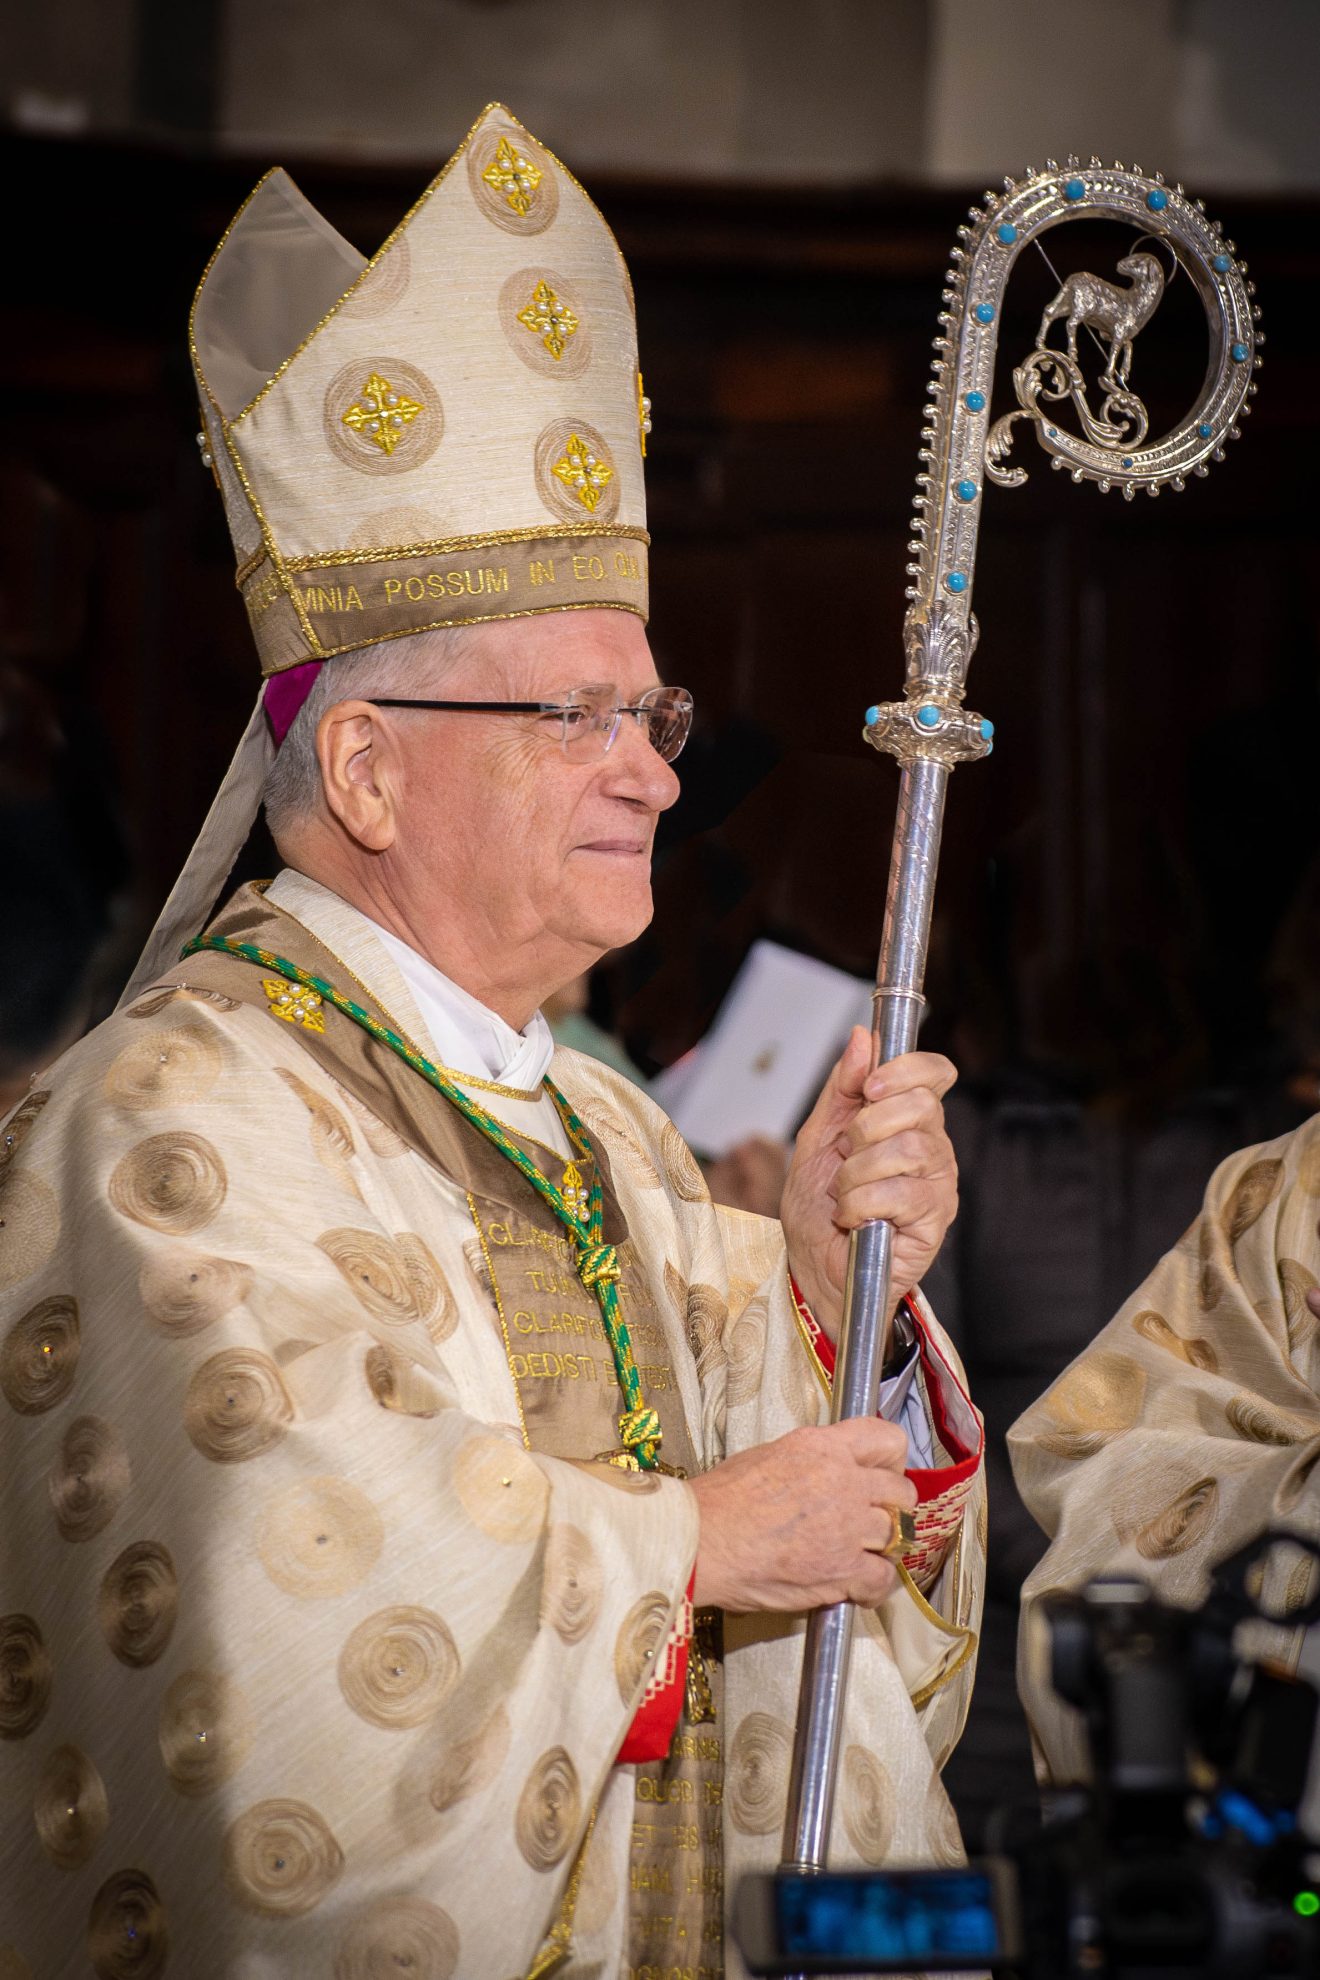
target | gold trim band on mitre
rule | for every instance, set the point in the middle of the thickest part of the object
(369, 597)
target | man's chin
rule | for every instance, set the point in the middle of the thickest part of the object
(613, 924)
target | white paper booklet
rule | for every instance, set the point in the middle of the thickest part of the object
(761, 1064)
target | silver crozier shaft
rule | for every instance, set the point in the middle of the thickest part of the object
(898, 1007)
(930, 730)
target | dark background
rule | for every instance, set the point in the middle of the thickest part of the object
(1115, 880)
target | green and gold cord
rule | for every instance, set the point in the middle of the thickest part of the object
(597, 1262)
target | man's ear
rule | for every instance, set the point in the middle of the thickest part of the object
(359, 772)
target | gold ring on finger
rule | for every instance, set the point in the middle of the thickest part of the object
(904, 1533)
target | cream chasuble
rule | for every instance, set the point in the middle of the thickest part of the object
(321, 1633)
(1192, 1422)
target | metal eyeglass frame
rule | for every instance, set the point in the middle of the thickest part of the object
(586, 699)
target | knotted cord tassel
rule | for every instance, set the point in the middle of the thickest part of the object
(640, 1431)
(598, 1264)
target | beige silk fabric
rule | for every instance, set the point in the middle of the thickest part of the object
(1192, 1421)
(447, 433)
(307, 1663)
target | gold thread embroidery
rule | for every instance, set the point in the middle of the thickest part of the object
(250, 565)
(353, 286)
(263, 594)
(585, 475)
(316, 650)
(574, 1193)
(559, 1941)
(499, 1308)
(969, 1637)
(381, 251)
(450, 546)
(550, 319)
(293, 1004)
(514, 176)
(374, 997)
(381, 413)
(320, 652)
(643, 414)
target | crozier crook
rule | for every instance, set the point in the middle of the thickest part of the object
(929, 730)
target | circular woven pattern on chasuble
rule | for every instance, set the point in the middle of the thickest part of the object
(1252, 1194)
(756, 1781)
(641, 1637)
(25, 1676)
(205, 1731)
(137, 1603)
(1182, 1523)
(521, 193)
(236, 1407)
(576, 476)
(39, 1355)
(399, 1938)
(281, 1859)
(868, 1805)
(128, 1937)
(398, 1667)
(501, 1489)
(398, 1383)
(184, 1292)
(71, 1810)
(89, 1479)
(381, 415)
(29, 1225)
(745, 1347)
(548, 1809)
(685, 1177)
(19, 1126)
(624, 1146)
(164, 1069)
(1155, 1328)
(543, 321)
(396, 1279)
(331, 1136)
(320, 1536)
(170, 1182)
(572, 1583)
(1260, 1423)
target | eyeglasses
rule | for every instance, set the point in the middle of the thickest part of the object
(589, 718)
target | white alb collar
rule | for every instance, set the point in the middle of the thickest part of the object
(466, 1035)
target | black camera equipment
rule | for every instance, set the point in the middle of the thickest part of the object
(1184, 1855)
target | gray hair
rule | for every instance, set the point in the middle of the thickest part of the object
(414, 664)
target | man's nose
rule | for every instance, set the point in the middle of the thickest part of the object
(636, 770)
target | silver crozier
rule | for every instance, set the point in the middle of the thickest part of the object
(929, 730)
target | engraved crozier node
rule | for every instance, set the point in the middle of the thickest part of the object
(513, 175)
(381, 414)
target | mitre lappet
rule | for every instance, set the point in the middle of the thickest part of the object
(447, 433)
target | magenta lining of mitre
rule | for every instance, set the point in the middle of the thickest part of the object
(285, 694)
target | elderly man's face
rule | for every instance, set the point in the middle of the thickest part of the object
(537, 854)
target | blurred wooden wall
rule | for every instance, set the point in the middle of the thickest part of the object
(1151, 667)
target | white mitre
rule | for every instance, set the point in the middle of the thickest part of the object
(450, 432)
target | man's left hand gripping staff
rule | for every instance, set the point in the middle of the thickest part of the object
(874, 1146)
